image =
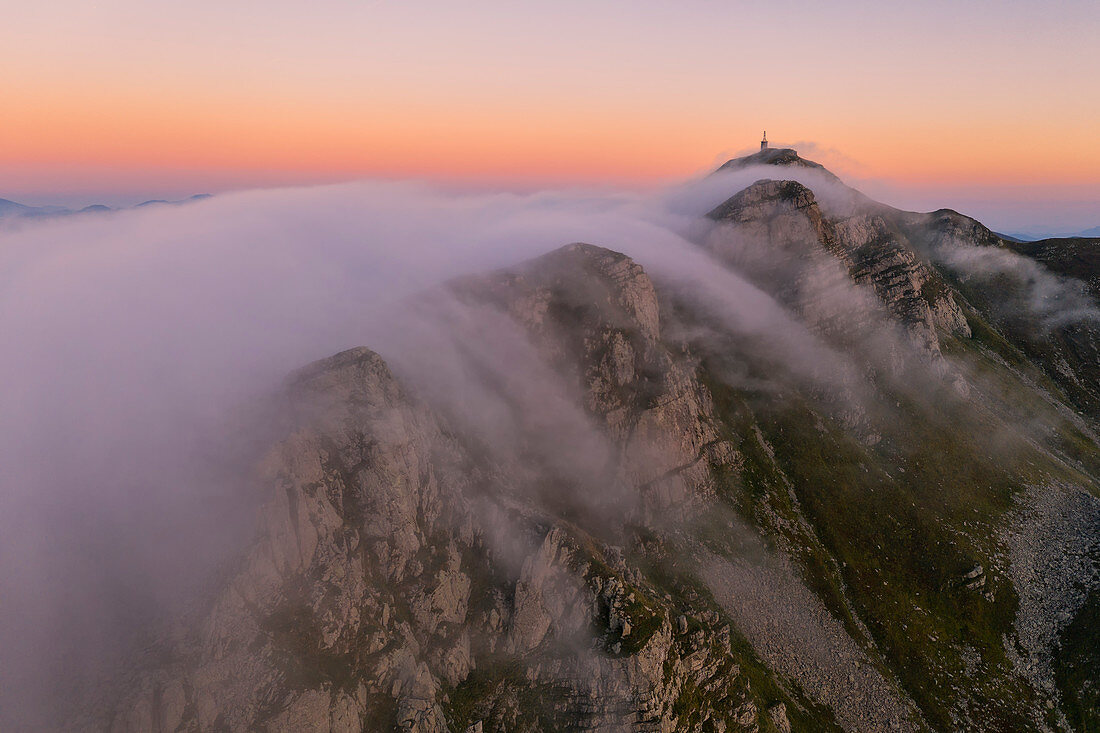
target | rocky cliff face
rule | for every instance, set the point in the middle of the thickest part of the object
(785, 216)
(669, 535)
(1041, 296)
(356, 568)
(595, 316)
(374, 598)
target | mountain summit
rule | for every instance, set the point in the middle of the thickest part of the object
(788, 157)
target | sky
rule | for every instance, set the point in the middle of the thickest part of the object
(989, 107)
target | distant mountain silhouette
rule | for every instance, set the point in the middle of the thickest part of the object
(14, 210)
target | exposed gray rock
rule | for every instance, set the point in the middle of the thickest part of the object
(772, 217)
(777, 714)
(1053, 559)
(796, 635)
(369, 592)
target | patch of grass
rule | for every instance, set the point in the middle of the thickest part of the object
(1075, 667)
(892, 528)
(471, 699)
(499, 693)
(644, 613)
(295, 633)
(904, 522)
(759, 492)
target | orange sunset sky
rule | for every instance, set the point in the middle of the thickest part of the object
(991, 105)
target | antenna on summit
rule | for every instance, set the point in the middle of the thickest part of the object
(764, 142)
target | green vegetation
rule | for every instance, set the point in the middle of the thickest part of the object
(499, 690)
(886, 529)
(1075, 665)
(294, 633)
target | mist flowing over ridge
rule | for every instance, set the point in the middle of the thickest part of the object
(753, 453)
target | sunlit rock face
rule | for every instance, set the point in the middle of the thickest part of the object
(374, 588)
(585, 502)
(785, 216)
(595, 315)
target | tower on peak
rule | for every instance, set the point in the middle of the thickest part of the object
(764, 142)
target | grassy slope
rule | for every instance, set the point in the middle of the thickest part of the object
(1075, 667)
(894, 526)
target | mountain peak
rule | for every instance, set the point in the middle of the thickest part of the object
(765, 193)
(774, 156)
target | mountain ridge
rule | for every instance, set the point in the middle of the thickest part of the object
(600, 505)
(14, 210)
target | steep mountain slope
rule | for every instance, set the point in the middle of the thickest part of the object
(578, 498)
(1075, 257)
(1042, 299)
(403, 579)
(784, 215)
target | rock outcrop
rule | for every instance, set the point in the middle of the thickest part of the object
(373, 598)
(595, 316)
(781, 220)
